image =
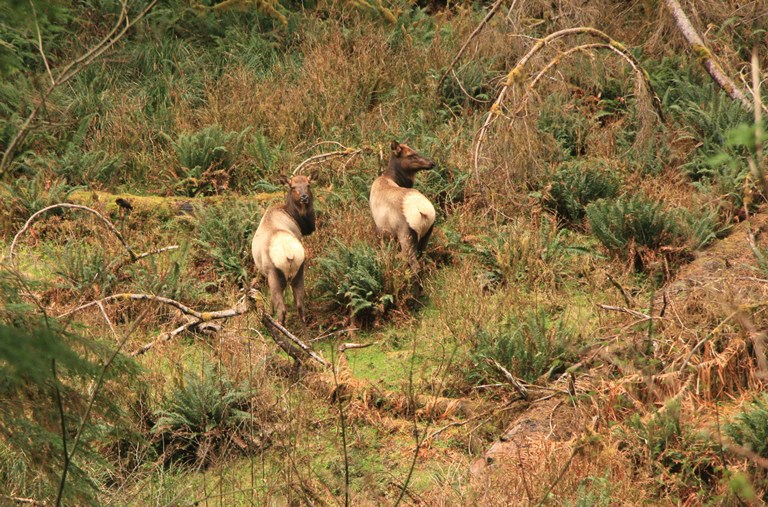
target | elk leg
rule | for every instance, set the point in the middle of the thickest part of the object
(424, 240)
(297, 284)
(408, 241)
(277, 283)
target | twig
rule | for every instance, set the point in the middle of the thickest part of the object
(60, 406)
(18, 499)
(510, 378)
(486, 19)
(40, 43)
(560, 476)
(201, 316)
(346, 346)
(640, 315)
(316, 159)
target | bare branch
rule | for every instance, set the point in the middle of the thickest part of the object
(705, 56)
(267, 318)
(119, 29)
(634, 313)
(510, 378)
(347, 346)
(486, 19)
(516, 76)
(200, 316)
(106, 222)
(40, 43)
(316, 159)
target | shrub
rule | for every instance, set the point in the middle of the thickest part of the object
(204, 413)
(634, 225)
(670, 449)
(83, 269)
(28, 195)
(578, 183)
(522, 252)
(567, 125)
(205, 158)
(352, 278)
(469, 88)
(750, 427)
(528, 347)
(224, 232)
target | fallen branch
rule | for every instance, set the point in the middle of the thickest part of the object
(705, 56)
(268, 319)
(200, 316)
(634, 313)
(510, 378)
(347, 346)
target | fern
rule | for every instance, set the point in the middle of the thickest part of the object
(201, 414)
(750, 427)
(353, 278)
(578, 183)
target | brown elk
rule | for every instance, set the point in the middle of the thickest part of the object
(398, 209)
(277, 249)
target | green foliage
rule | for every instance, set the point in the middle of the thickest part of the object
(750, 427)
(701, 226)
(203, 414)
(84, 269)
(568, 125)
(444, 186)
(167, 275)
(522, 252)
(206, 157)
(528, 347)
(31, 346)
(470, 88)
(632, 224)
(679, 457)
(224, 232)
(352, 278)
(578, 183)
(26, 195)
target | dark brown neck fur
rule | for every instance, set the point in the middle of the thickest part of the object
(395, 173)
(303, 215)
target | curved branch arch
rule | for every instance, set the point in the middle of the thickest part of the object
(515, 76)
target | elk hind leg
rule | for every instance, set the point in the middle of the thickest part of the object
(297, 284)
(277, 284)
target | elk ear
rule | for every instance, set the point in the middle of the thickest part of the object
(396, 149)
(284, 179)
(313, 175)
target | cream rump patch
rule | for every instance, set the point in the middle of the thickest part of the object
(419, 212)
(286, 253)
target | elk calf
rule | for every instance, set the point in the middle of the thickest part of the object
(277, 249)
(398, 209)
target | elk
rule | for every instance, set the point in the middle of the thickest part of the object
(398, 209)
(277, 249)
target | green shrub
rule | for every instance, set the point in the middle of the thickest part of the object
(750, 427)
(353, 278)
(468, 88)
(679, 457)
(205, 158)
(26, 195)
(202, 416)
(521, 252)
(566, 123)
(578, 183)
(633, 225)
(224, 232)
(84, 269)
(528, 347)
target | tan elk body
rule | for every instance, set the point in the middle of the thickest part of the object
(398, 209)
(277, 248)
